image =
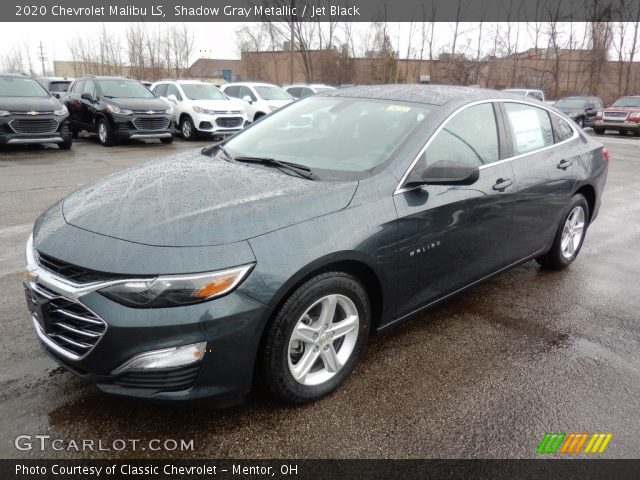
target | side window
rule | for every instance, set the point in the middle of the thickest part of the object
(173, 90)
(90, 88)
(305, 92)
(470, 137)
(530, 127)
(561, 129)
(294, 92)
(246, 91)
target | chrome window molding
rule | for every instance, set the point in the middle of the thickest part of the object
(575, 135)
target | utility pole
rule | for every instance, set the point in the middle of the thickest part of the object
(42, 58)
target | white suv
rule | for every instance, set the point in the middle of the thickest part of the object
(261, 98)
(201, 108)
(301, 90)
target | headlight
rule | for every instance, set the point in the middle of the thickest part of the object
(176, 290)
(169, 110)
(62, 111)
(4, 113)
(121, 111)
(200, 109)
(272, 108)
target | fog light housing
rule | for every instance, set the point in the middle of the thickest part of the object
(165, 358)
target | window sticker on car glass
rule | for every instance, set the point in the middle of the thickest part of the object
(526, 130)
(398, 108)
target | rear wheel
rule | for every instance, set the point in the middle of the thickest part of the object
(622, 132)
(569, 236)
(315, 338)
(580, 122)
(105, 135)
(598, 131)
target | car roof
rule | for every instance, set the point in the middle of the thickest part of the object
(250, 84)
(427, 94)
(106, 77)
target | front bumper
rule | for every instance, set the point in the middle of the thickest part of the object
(140, 127)
(218, 125)
(231, 326)
(10, 134)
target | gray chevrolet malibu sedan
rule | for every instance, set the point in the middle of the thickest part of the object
(269, 258)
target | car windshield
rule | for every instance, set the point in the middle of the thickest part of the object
(570, 103)
(268, 92)
(59, 87)
(627, 102)
(334, 137)
(202, 91)
(124, 89)
(21, 87)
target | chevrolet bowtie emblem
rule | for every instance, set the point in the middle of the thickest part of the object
(151, 112)
(32, 113)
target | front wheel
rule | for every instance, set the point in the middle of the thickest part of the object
(580, 122)
(105, 135)
(187, 128)
(598, 131)
(316, 337)
(66, 143)
(569, 236)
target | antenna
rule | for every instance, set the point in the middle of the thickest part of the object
(42, 58)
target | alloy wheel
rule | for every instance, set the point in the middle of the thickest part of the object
(102, 132)
(572, 232)
(323, 339)
(186, 129)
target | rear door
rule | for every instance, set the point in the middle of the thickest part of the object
(72, 101)
(545, 178)
(451, 236)
(87, 107)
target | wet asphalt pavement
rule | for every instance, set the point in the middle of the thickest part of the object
(485, 374)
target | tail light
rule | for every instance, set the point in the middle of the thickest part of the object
(605, 154)
(599, 115)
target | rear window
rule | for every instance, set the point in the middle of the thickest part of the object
(21, 87)
(530, 127)
(59, 87)
(124, 89)
(561, 129)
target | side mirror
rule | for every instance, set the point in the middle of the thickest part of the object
(247, 99)
(445, 172)
(87, 97)
(173, 99)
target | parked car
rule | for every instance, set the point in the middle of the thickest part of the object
(29, 114)
(201, 108)
(581, 110)
(57, 86)
(261, 98)
(303, 90)
(118, 109)
(623, 116)
(276, 255)
(146, 83)
(526, 92)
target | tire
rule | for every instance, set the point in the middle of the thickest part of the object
(580, 122)
(105, 134)
(622, 132)
(283, 355)
(258, 116)
(636, 133)
(187, 128)
(167, 140)
(75, 132)
(598, 131)
(562, 254)
(66, 144)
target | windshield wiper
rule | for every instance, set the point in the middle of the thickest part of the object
(300, 170)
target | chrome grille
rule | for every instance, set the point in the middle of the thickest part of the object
(71, 325)
(149, 123)
(34, 125)
(229, 122)
(615, 115)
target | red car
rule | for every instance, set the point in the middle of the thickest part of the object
(623, 116)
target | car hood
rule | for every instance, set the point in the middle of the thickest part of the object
(28, 104)
(194, 200)
(223, 105)
(570, 109)
(137, 103)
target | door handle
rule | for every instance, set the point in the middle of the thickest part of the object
(502, 184)
(564, 164)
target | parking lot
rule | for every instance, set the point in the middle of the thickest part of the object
(485, 374)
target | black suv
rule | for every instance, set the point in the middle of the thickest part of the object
(118, 109)
(581, 110)
(29, 114)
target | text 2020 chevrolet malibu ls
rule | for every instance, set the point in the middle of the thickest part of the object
(273, 255)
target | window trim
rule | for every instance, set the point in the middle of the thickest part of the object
(399, 188)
